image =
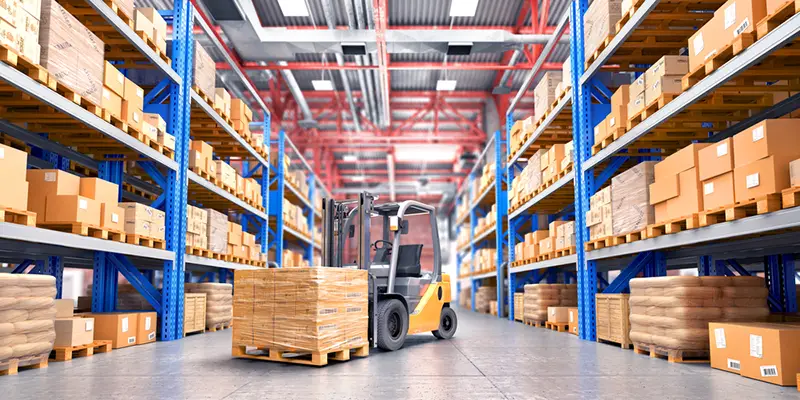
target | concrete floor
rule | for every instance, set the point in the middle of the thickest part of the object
(487, 359)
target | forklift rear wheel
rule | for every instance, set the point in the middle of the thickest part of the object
(448, 322)
(392, 324)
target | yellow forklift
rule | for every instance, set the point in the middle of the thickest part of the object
(404, 298)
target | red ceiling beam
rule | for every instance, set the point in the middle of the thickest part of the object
(472, 66)
(380, 14)
(396, 95)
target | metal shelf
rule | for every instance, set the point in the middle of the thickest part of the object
(480, 199)
(295, 196)
(229, 129)
(301, 237)
(133, 38)
(567, 99)
(484, 236)
(225, 194)
(48, 96)
(777, 38)
(554, 262)
(210, 262)
(47, 237)
(485, 275)
(544, 193)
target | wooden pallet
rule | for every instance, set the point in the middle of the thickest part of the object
(86, 350)
(12, 366)
(312, 358)
(649, 109)
(565, 252)
(673, 226)
(600, 48)
(145, 36)
(533, 323)
(218, 327)
(206, 175)
(545, 256)
(790, 197)
(783, 13)
(20, 217)
(26, 66)
(77, 228)
(146, 241)
(724, 55)
(623, 345)
(557, 326)
(199, 251)
(673, 356)
(628, 237)
(742, 209)
(598, 243)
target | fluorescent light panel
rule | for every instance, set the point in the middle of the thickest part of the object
(463, 8)
(322, 85)
(445, 85)
(358, 178)
(426, 153)
(350, 158)
(293, 8)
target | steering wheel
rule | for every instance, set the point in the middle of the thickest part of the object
(385, 244)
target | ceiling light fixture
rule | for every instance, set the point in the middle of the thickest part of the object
(445, 85)
(350, 158)
(463, 8)
(322, 85)
(294, 8)
(358, 178)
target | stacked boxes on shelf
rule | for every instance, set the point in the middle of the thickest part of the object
(124, 100)
(15, 184)
(735, 18)
(487, 178)
(222, 102)
(204, 72)
(531, 243)
(529, 180)
(545, 93)
(599, 23)
(217, 228)
(293, 217)
(675, 194)
(242, 116)
(148, 21)
(630, 199)
(201, 157)
(662, 79)
(197, 233)
(539, 297)
(599, 217)
(71, 330)
(483, 297)
(28, 316)
(19, 28)
(144, 221)
(155, 125)
(486, 260)
(54, 196)
(219, 301)
(107, 195)
(565, 235)
(761, 157)
(235, 238)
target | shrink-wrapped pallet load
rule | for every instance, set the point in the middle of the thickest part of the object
(219, 301)
(27, 317)
(519, 306)
(540, 296)
(672, 313)
(465, 298)
(483, 297)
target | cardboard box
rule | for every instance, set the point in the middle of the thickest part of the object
(601, 197)
(15, 193)
(240, 111)
(200, 156)
(718, 191)
(760, 178)
(716, 159)
(100, 190)
(637, 87)
(636, 105)
(740, 16)
(599, 23)
(664, 189)
(134, 117)
(64, 308)
(663, 86)
(156, 120)
(767, 138)
(726, 343)
(553, 228)
(166, 140)
(704, 44)
(532, 238)
(112, 217)
(205, 70)
(138, 211)
(794, 173)
(119, 328)
(73, 331)
(573, 320)
(234, 233)
(554, 155)
(142, 24)
(769, 352)
(134, 95)
(547, 245)
(558, 315)
(668, 66)
(157, 22)
(146, 325)
(113, 79)
(72, 208)
(690, 199)
(226, 174)
(630, 196)
(680, 161)
(112, 103)
(225, 98)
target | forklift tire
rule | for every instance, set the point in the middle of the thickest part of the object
(392, 324)
(448, 322)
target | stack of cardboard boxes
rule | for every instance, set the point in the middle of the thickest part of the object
(144, 221)
(734, 18)
(222, 102)
(662, 78)
(675, 193)
(599, 23)
(201, 157)
(545, 93)
(486, 259)
(55, 197)
(196, 227)
(292, 258)
(551, 162)
(124, 329)
(630, 199)
(599, 217)
(566, 76)
(217, 228)
(19, 27)
(483, 298)
(529, 180)
(150, 22)
(154, 125)
(13, 163)
(530, 248)
(242, 116)
(124, 100)
(565, 235)
(71, 330)
(538, 297)
(204, 72)
(226, 175)
(235, 241)
(70, 52)
(616, 121)
(487, 177)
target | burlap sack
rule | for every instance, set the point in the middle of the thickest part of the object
(6, 352)
(33, 326)
(42, 336)
(13, 340)
(26, 280)
(8, 303)
(667, 322)
(32, 349)
(43, 313)
(34, 303)
(13, 315)
(6, 329)
(219, 308)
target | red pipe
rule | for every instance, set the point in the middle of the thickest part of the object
(472, 66)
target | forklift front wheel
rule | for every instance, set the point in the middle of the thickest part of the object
(448, 322)
(392, 324)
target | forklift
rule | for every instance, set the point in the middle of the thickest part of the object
(403, 299)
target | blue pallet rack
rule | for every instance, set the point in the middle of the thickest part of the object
(48, 252)
(715, 248)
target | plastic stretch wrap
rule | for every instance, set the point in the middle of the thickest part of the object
(540, 296)
(219, 300)
(674, 312)
(26, 323)
(314, 309)
(484, 296)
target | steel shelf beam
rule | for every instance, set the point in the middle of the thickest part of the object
(210, 262)
(133, 38)
(482, 196)
(554, 262)
(483, 236)
(485, 275)
(225, 194)
(567, 99)
(301, 237)
(780, 36)
(544, 194)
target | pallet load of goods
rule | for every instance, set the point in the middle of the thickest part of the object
(556, 241)
(465, 298)
(462, 241)
(483, 298)
(27, 317)
(519, 304)
(486, 179)
(314, 313)
(295, 258)
(486, 260)
(543, 169)
(219, 303)
(612, 317)
(223, 175)
(488, 222)
(538, 297)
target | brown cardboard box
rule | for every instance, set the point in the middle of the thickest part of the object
(636, 105)
(166, 140)
(682, 160)
(689, 200)
(630, 199)
(716, 159)
(146, 327)
(637, 87)
(72, 208)
(73, 331)
(112, 217)
(112, 102)
(113, 79)
(240, 111)
(158, 23)
(553, 228)
(64, 308)
(119, 328)
(760, 178)
(660, 210)
(13, 162)
(532, 238)
(600, 132)
(142, 24)
(662, 86)
(668, 66)
(205, 70)
(617, 118)
(704, 44)
(718, 191)
(134, 117)
(15, 192)
(740, 16)
(558, 315)
(234, 233)
(226, 174)
(726, 343)
(201, 156)
(545, 93)
(547, 245)
(100, 190)
(664, 189)
(573, 320)
(226, 100)
(157, 121)
(768, 137)
(770, 352)
(599, 23)
(794, 173)
(134, 94)
(601, 197)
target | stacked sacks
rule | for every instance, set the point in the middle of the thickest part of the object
(27, 315)
(219, 301)
(672, 313)
(483, 297)
(540, 296)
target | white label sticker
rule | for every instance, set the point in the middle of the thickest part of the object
(756, 346)
(131, 339)
(742, 27)
(147, 323)
(612, 121)
(114, 218)
(83, 204)
(758, 133)
(49, 176)
(89, 325)
(722, 149)
(124, 324)
(769, 370)
(708, 188)
(730, 16)
(121, 78)
(139, 92)
(135, 117)
(571, 316)
(106, 94)
(151, 336)
(2, 153)
(698, 44)
(734, 364)
(719, 337)
(752, 180)
(553, 312)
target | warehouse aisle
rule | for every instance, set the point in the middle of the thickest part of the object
(519, 362)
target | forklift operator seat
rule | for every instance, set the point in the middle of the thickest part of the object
(409, 261)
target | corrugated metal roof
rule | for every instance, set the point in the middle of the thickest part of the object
(437, 12)
(270, 13)
(426, 79)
